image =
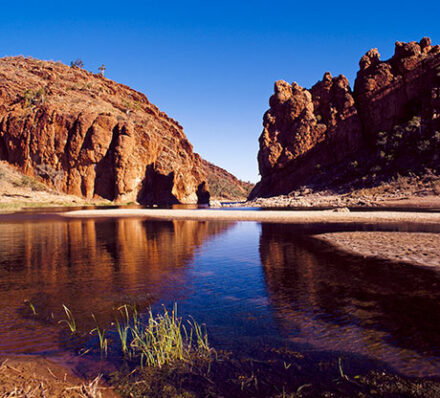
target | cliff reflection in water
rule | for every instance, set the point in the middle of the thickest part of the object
(91, 266)
(390, 312)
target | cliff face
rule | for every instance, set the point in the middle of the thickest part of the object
(89, 136)
(309, 133)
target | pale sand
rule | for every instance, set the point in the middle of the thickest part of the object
(414, 248)
(279, 216)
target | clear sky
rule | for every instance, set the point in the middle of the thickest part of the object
(212, 64)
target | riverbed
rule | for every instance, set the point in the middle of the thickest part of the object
(252, 284)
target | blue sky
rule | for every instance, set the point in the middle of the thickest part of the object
(212, 64)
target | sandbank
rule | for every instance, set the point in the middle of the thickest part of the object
(278, 216)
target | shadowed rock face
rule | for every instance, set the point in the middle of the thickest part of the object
(390, 92)
(306, 130)
(89, 136)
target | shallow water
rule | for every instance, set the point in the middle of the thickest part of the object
(252, 284)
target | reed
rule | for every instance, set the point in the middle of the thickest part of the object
(123, 336)
(103, 343)
(70, 321)
(31, 306)
(162, 338)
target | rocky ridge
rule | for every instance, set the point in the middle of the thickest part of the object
(86, 135)
(224, 185)
(329, 135)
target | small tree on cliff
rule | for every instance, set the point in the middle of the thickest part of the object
(49, 173)
(102, 69)
(77, 63)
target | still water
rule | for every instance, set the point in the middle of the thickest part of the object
(252, 284)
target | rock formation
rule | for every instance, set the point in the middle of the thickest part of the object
(86, 135)
(308, 134)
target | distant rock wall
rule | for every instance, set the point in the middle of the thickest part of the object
(89, 136)
(310, 131)
(223, 185)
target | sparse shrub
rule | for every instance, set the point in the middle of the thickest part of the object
(381, 138)
(423, 145)
(87, 86)
(407, 141)
(31, 97)
(51, 174)
(132, 106)
(78, 63)
(415, 122)
(29, 182)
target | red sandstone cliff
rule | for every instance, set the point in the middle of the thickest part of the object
(321, 136)
(89, 136)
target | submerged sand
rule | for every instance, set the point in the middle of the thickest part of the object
(408, 247)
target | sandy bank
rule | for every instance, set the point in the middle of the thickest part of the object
(279, 216)
(415, 248)
(39, 377)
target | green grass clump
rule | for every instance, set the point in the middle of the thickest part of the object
(161, 339)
